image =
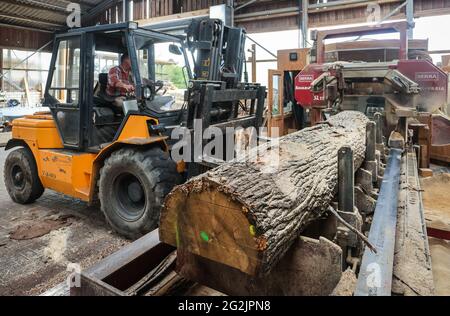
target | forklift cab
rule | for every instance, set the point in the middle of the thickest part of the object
(76, 90)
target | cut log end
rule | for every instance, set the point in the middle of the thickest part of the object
(214, 224)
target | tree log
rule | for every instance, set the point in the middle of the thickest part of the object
(245, 214)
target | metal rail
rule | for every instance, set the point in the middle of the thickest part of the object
(375, 277)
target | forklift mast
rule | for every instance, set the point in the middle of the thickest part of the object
(220, 51)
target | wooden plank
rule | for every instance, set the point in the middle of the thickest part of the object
(436, 199)
(425, 173)
(187, 15)
(440, 148)
(27, 91)
(171, 9)
(379, 44)
(438, 233)
(153, 6)
(438, 226)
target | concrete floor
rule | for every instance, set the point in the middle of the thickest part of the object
(30, 267)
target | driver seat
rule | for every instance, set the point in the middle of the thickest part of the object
(101, 98)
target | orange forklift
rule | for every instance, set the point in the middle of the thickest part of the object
(88, 149)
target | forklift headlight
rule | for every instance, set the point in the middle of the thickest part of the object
(147, 93)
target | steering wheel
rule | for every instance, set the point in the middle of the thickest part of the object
(158, 86)
(155, 87)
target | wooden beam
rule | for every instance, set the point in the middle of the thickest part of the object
(187, 15)
(23, 18)
(1, 68)
(431, 12)
(253, 59)
(27, 91)
(329, 7)
(443, 51)
(24, 39)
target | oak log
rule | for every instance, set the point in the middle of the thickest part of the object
(246, 214)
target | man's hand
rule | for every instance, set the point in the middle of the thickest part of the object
(129, 87)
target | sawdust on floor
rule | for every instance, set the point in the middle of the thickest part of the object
(436, 195)
(440, 258)
(57, 246)
(436, 200)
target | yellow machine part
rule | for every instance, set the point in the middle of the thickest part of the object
(71, 172)
(66, 172)
(39, 131)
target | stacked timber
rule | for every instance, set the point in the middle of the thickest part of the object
(246, 214)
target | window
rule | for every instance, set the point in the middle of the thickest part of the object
(19, 66)
(276, 95)
(66, 76)
(103, 62)
(169, 66)
(65, 90)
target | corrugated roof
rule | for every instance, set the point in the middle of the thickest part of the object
(40, 14)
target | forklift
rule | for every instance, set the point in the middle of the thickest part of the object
(88, 149)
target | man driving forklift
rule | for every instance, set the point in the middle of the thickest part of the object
(120, 81)
(84, 149)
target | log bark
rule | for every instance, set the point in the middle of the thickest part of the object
(246, 214)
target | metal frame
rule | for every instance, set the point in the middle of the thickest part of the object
(81, 92)
(122, 268)
(396, 27)
(206, 99)
(86, 74)
(215, 94)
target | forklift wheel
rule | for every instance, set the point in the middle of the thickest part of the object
(133, 185)
(21, 177)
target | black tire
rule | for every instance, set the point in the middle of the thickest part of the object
(21, 177)
(132, 187)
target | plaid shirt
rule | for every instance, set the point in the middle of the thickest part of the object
(116, 75)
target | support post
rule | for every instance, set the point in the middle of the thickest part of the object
(126, 10)
(379, 135)
(253, 63)
(371, 158)
(402, 127)
(379, 124)
(346, 201)
(370, 141)
(346, 180)
(410, 18)
(304, 26)
(1, 68)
